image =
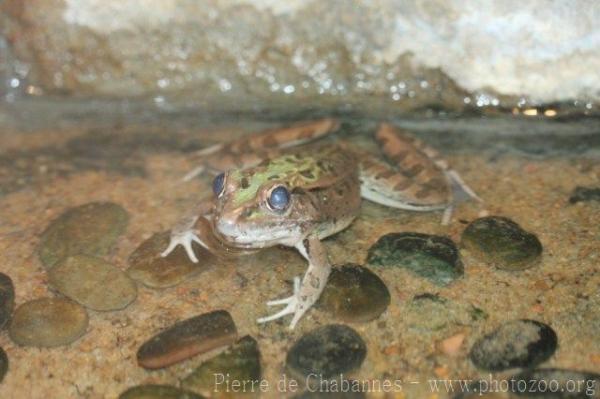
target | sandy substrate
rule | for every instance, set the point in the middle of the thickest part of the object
(561, 291)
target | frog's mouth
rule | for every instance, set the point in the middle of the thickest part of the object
(231, 236)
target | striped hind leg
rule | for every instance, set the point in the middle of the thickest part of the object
(251, 149)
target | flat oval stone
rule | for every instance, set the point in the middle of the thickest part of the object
(188, 338)
(48, 322)
(3, 364)
(584, 194)
(93, 282)
(240, 362)
(431, 313)
(354, 294)
(556, 383)
(501, 242)
(152, 391)
(433, 257)
(327, 351)
(7, 299)
(90, 229)
(147, 266)
(517, 343)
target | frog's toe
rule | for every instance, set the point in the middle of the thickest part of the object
(186, 240)
(290, 302)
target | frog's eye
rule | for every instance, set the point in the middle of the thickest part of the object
(218, 184)
(279, 198)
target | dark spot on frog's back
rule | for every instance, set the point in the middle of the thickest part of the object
(245, 183)
(307, 173)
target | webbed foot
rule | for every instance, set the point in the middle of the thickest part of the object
(185, 239)
(292, 306)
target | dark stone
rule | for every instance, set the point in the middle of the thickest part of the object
(147, 266)
(3, 364)
(343, 389)
(48, 322)
(90, 229)
(93, 283)
(327, 352)
(433, 257)
(354, 294)
(7, 299)
(240, 362)
(502, 243)
(517, 343)
(556, 384)
(188, 338)
(430, 313)
(581, 194)
(151, 391)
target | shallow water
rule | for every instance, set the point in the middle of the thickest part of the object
(523, 168)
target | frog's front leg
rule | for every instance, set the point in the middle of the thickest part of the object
(184, 232)
(307, 292)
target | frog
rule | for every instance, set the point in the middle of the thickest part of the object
(278, 187)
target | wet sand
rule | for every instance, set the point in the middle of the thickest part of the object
(561, 291)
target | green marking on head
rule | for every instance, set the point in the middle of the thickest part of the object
(286, 167)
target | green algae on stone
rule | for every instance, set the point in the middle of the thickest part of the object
(93, 282)
(326, 352)
(3, 364)
(556, 383)
(7, 299)
(240, 362)
(188, 338)
(154, 391)
(432, 313)
(147, 266)
(517, 343)
(48, 322)
(90, 229)
(433, 257)
(354, 294)
(502, 243)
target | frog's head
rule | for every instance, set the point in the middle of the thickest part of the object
(255, 209)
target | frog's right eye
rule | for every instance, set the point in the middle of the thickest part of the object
(218, 185)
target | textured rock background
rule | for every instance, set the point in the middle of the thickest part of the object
(404, 54)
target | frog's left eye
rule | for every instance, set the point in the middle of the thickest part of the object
(218, 184)
(279, 198)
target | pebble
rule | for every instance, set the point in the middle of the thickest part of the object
(48, 322)
(3, 364)
(501, 242)
(326, 352)
(240, 362)
(354, 294)
(90, 229)
(517, 343)
(557, 383)
(582, 194)
(431, 313)
(93, 282)
(152, 391)
(188, 338)
(329, 392)
(147, 266)
(7, 299)
(433, 257)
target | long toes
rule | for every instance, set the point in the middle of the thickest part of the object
(190, 252)
(169, 249)
(286, 311)
(283, 301)
(296, 285)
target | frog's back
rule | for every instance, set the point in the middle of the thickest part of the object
(310, 168)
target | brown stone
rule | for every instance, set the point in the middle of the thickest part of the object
(188, 338)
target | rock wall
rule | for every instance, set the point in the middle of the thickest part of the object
(403, 54)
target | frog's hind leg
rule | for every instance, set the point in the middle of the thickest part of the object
(308, 291)
(253, 148)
